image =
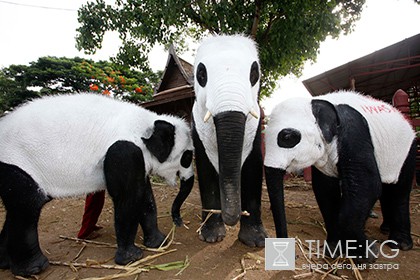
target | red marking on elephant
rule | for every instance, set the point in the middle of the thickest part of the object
(383, 108)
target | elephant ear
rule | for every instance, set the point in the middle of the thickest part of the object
(326, 117)
(162, 140)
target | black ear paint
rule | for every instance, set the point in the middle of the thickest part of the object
(186, 159)
(162, 141)
(201, 75)
(288, 138)
(254, 75)
(326, 117)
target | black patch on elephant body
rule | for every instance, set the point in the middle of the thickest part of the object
(162, 141)
(326, 116)
(345, 201)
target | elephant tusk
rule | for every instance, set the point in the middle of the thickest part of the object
(207, 116)
(253, 113)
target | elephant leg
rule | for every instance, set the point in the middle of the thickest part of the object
(153, 237)
(213, 229)
(360, 183)
(386, 207)
(360, 188)
(124, 170)
(23, 201)
(4, 256)
(395, 205)
(252, 232)
(328, 196)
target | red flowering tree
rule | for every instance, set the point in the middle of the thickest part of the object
(51, 75)
(116, 80)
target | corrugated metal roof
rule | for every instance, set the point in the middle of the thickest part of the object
(379, 74)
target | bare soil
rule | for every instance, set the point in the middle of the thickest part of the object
(223, 260)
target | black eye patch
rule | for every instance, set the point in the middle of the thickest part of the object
(201, 75)
(186, 159)
(254, 75)
(288, 138)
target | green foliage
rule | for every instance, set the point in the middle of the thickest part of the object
(288, 32)
(12, 93)
(52, 75)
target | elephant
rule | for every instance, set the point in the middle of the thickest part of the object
(71, 145)
(361, 149)
(226, 120)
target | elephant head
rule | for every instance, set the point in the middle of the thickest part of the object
(300, 133)
(226, 113)
(171, 145)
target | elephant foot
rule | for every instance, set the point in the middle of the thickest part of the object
(213, 230)
(177, 220)
(128, 254)
(4, 258)
(252, 235)
(402, 242)
(33, 266)
(154, 240)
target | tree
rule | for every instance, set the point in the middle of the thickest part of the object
(12, 93)
(52, 75)
(288, 32)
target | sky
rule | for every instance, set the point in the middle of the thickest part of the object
(30, 29)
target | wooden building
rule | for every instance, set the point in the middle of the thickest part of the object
(379, 74)
(175, 92)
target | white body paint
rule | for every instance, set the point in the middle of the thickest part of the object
(391, 134)
(61, 141)
(293, 113)
(228, 60)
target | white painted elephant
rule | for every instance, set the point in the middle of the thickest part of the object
(227, 137)
(71, 145)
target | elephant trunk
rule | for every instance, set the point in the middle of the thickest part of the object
(274, 179)
(230, 127)
(184, 191)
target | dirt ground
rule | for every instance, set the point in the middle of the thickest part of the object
(223, 260)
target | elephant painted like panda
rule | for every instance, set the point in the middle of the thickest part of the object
(72, 145)
(360, 149)
(227, 137)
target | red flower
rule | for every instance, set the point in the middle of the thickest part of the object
(106, 92)
(138, 89)
(93, 87)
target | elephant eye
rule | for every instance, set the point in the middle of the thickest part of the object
(288, 138)
(186, 159)
(254, 75)
(201, 75)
